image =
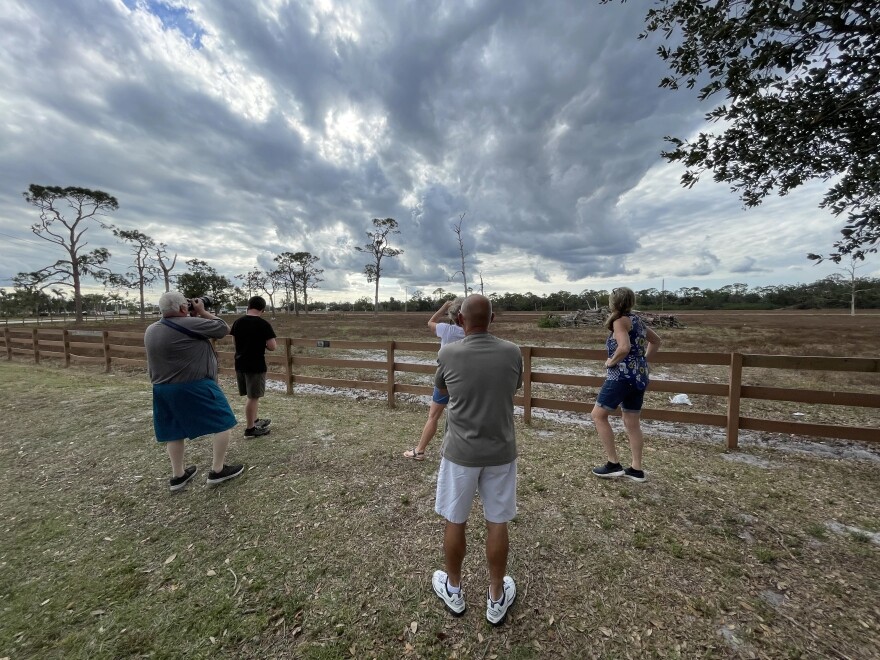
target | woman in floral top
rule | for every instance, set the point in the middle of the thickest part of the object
(630, 345)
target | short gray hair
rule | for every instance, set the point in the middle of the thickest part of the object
(171, 301)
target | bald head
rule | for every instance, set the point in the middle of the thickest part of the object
(476, 311)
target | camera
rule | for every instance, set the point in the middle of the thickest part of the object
(205, 299)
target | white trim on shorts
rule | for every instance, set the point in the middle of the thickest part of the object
(457, 485)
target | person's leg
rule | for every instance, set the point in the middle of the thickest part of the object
(434, 414)
(454, 548)
(497, 544)
(605, 432)
(250, 411)
(221, 444)
(636, 439)
(175, 453)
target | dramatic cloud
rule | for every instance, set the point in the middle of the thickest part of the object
(233, 131)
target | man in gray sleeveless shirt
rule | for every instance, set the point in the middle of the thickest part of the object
(481, 373)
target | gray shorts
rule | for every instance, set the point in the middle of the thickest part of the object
(251, 385)
(457, 485)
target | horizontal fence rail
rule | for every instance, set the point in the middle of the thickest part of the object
(296, 356)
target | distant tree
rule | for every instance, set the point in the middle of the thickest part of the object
(288, 270)
(361, 304)
(854, 281)
(252, 280)
(201, 280)
(67, 231)
(144, 270)
(457, 229)
(802, 100)
(308, 274)
(161, 252)
(379, 247)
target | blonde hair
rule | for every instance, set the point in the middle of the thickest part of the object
(621, 301)
(454, 309)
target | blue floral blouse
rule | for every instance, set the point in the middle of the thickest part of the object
(634, 367)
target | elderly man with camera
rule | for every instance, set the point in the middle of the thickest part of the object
(187, 402)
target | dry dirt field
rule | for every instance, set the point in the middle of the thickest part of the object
(325, 548)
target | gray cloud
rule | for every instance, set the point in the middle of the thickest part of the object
(256, 131)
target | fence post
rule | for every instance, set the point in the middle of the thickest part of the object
(389, 365)
(105, 334)
(527, 384)
(66, 338)
(35, 340)
(8, 340)
(288, 364)
(733, 396)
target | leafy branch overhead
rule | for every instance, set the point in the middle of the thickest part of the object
(801, 81)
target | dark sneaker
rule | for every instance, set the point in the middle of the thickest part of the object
(635, 475)
(177, 483)
(262, 423)
(609, 470)
(453, 602)
(228, 472)
(496, 613)
(256, 431)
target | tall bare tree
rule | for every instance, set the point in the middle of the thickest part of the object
(457, 229)
(82, 206)
(379, 248)
(161, 251)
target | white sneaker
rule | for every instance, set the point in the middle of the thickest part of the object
(454, 602)
(497, 612)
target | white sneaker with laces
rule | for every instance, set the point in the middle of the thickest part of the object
(453, 602)
(496, 613)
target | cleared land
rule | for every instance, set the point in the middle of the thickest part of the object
(326, 546)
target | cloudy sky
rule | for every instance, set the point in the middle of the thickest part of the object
(233, 130)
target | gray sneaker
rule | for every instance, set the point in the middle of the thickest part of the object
(256, 431)
(453, 602)
(496, 613)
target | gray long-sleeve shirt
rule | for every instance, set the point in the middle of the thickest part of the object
(174, 357)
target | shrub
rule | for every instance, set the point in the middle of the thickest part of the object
(549, 321)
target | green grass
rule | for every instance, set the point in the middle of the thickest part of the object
(325, 548)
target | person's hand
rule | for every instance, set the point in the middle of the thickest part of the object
(198, 307)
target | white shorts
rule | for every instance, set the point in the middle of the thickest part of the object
(457, 485)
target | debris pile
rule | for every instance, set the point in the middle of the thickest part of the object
(596, 317)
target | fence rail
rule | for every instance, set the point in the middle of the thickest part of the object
(126, 348)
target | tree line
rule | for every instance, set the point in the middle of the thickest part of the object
(66, 214)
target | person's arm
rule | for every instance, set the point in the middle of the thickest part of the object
(621, 327)
(654, 342)
(218, 329)
(439, 314)
(271, 344)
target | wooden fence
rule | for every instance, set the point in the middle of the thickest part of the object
(109, 347)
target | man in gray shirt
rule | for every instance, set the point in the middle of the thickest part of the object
(187, 402)
(481, 373)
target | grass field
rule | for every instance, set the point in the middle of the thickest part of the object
(325, 548)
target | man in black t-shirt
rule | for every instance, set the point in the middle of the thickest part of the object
(253, 335)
